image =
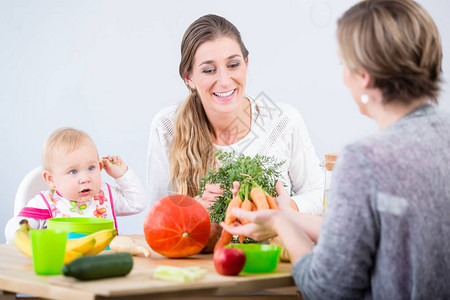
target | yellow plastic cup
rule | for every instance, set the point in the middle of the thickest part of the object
(49, 248)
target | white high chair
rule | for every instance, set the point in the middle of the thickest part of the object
(30, 186)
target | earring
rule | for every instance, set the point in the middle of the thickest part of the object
(364, 98)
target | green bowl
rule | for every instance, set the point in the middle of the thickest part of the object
(82, 226)
(260, 258)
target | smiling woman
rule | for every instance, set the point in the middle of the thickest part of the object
(219, 79)
(217, 115)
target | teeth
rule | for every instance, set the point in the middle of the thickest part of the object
(224, 94)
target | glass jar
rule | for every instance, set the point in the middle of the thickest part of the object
(327, 166)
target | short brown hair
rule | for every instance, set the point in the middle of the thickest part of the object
(397, 43)
(62, 139)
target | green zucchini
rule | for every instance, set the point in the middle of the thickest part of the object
(99, 266)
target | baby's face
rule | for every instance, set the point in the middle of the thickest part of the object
(76, 176)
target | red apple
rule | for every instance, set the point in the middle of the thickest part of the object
(229, 261)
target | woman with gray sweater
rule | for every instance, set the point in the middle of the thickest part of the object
(386, 232)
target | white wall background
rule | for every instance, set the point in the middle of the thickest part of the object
(107, 67)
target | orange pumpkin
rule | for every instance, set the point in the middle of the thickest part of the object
(177, 226)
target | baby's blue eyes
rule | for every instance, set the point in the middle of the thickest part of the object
(74, 172)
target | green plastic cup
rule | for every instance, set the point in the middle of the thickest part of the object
(260, 258)
(49, 248)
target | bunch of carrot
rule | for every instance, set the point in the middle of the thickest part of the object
(251, 198)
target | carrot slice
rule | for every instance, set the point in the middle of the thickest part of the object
(229, 217)
(272, 202)
(225, 239)
(259, 198)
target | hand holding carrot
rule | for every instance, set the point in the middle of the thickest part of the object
(249, 198)
(259, 224)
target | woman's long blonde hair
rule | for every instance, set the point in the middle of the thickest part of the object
(192, 149)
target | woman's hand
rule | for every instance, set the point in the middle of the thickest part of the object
(209, 197)
(284, 222)
(261, 226)
(263, 222)
(212, 191)
(235, 190)
(114, 166)
(284, 201)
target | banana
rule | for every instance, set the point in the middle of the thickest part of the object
(102, 240)
(22, 238)
(71, 255)
(82, 245)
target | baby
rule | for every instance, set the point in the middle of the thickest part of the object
(72, 169)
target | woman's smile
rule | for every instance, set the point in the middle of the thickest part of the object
(225, 96)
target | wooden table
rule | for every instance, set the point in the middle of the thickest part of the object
(17, 276)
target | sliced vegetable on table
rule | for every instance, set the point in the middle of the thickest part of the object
(178, 274)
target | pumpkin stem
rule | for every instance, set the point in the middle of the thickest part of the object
(185, 234)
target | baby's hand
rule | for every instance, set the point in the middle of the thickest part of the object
(114, 166)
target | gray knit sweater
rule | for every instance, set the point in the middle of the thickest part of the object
(386, 234)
